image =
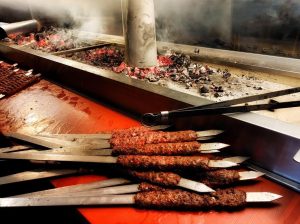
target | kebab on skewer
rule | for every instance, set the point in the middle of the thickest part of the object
(166, 179)
(157, 199)
(167, 149)
(215, 178)
(180, 148)
(134, 145)
(126, 133)
(135, 161)
(13, 79)
(169, 179)
(129, 132)
(121, 138)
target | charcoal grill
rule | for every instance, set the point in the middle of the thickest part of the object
(273, 145)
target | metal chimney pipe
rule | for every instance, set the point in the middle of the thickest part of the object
(139, 32)
(19, 27)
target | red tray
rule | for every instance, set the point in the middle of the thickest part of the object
(49, 108)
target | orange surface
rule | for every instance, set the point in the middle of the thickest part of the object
(46, 107)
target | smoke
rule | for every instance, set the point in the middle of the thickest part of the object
(208, 22)
(193, 21)
(88, 15)
(216, 22)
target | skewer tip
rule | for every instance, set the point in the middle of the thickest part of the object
(236, 159)
(210, 151)
(213, 146)
(209, 133)
(221, 164)
(205, 138)
(160, 127)
(261, 197)
(195, 186)
(249, 175)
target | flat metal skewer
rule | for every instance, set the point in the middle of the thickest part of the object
(256, 197)
(35, 175)
(126, 161)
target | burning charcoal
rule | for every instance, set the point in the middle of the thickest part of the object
(219, 89)
(204, 89)
(175, 77)
(180, 60)
(188, 85)
(196, 50)
(194, 75)
(217, 95)
(209, 70)
(185, 72)
(120, 68)
(164, 61)
(257, 88)
(194, 71)
(105, 57)
(50, 40)
(203, 70)
(208, 79)
(39, 36)
(226, 74)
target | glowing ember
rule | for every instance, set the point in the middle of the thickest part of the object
(50, 40)
(175, 67)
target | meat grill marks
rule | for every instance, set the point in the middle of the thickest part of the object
(160, 178)
(167, 149)
(216, 178)
(178, 199)
(5, 67)
(154, 138)
(164, 162)
(130, 132)
(220, 177)
(144, 186)
(13, 80)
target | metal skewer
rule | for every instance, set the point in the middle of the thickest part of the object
(161, 162)
(35, 175)
(157, 118)
(163, 199)
(77, 188)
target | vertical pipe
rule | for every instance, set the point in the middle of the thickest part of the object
(139, 32)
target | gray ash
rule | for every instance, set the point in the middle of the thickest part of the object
(204, 89)
(107, 57)
(176, 67)
(180, 60)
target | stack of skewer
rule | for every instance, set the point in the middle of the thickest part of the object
(173, 170)
(13, 79)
